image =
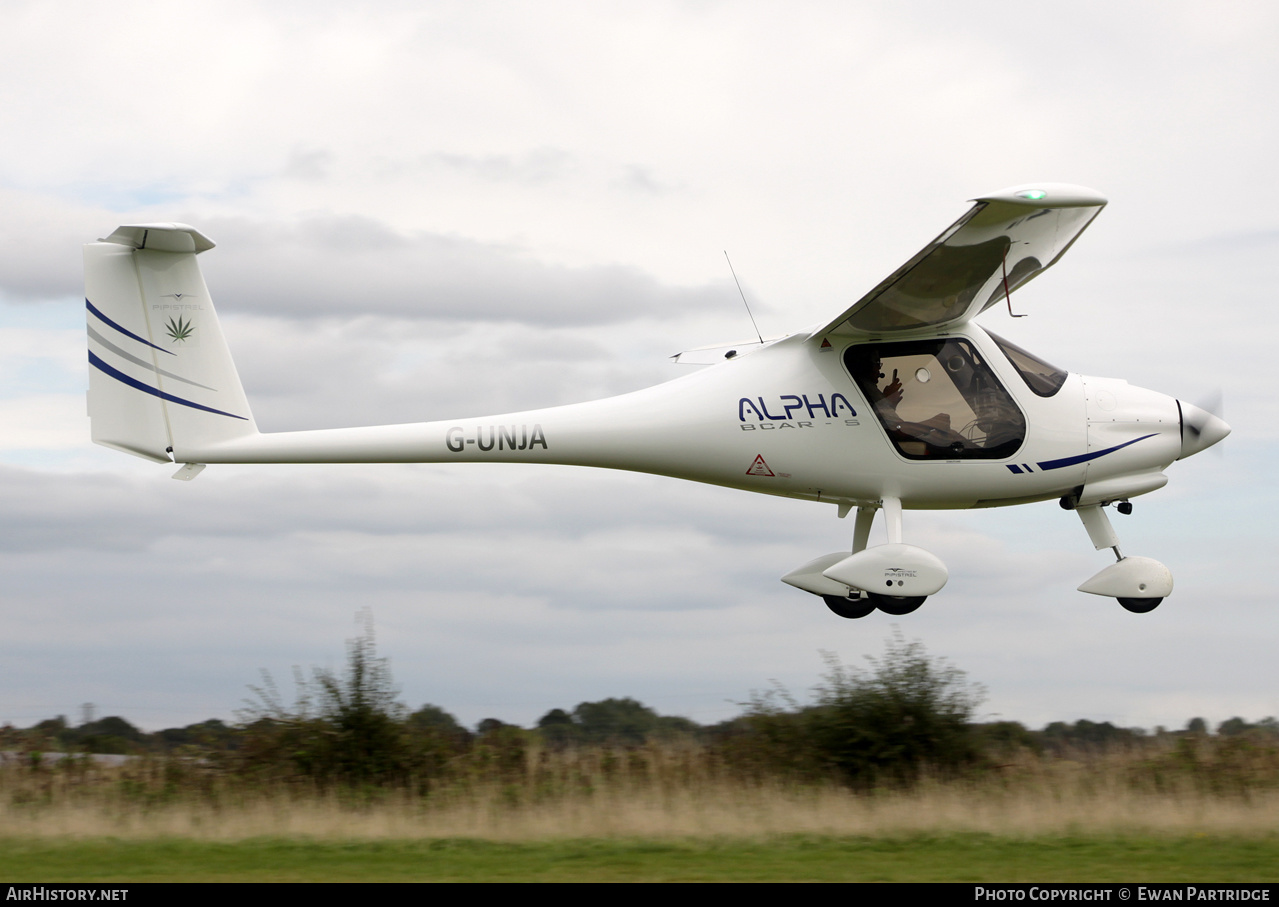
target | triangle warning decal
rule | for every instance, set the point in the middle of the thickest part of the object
(759, 467)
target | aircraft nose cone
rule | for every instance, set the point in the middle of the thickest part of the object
(1200, 429)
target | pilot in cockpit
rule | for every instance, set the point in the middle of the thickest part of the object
(868, 374)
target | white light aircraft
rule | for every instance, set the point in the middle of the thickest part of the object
(900, 402)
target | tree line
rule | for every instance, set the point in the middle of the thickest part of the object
(905, 715)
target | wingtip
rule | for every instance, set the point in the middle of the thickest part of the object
(1047, 195)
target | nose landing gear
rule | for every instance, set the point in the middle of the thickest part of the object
(1138, 583)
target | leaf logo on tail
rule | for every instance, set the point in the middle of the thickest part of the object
(179, 329)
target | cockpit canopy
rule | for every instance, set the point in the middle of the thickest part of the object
(939, 400)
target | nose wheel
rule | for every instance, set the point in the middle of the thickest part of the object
(1139, 584)
(1140, 605)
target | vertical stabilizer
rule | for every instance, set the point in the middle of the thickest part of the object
(160, 373)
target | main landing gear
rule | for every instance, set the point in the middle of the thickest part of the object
(1139, 584)
(896, 604)
(850, 584)
(852, 608)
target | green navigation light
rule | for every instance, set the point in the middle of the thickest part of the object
(1033, 195)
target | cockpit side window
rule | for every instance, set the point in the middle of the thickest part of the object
(1042, 378)
(938, 399)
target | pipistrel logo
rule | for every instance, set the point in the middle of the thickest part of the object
(180, 329)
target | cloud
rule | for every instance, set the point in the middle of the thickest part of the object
(429, 211)
(312, 165)
(538, 166)
(326, 265)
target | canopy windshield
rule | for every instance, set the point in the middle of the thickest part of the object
(1040, 377)
(937, 399)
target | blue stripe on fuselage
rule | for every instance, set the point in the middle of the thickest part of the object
(1084, 458)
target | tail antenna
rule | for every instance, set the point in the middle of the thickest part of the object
(744, 302)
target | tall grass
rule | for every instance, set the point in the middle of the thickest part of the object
(1183, 786)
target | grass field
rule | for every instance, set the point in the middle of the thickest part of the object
(941, 833)
(818, 858)
(652, 816)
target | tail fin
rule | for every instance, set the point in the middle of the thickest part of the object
(161, 377)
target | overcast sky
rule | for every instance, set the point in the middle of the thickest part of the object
(431, 210)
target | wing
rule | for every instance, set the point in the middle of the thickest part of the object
(1006, 239)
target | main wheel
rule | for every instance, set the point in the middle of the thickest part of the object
(1140, 605)
(896, 605)
(851, 608)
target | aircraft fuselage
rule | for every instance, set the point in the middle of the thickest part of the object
(787, 420)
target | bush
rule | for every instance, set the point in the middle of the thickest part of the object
(348, 729)
(907, 715)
